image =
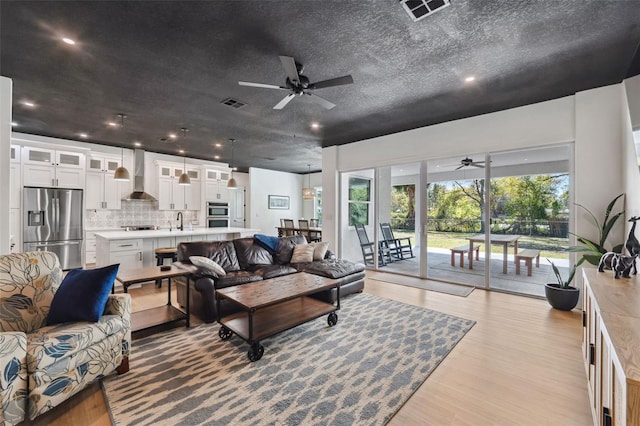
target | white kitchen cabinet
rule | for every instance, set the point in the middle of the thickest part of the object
(15, 230)
(128, 253)
(104, 191)
(89, 247)
(52, 168)
(15, 154)
(171, 195)
(15, 180)
(216, 185)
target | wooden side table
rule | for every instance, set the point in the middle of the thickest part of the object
(162, 314)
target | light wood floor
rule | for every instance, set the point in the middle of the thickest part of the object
(519, 365)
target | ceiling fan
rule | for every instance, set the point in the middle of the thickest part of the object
(299, 85)
(466, 162)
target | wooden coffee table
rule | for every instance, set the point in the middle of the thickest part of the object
(274, 305)
(162, 314)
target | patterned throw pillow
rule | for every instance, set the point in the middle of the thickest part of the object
(302, 253)
(320, 250)
(206, 263)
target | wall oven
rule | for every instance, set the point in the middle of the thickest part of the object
(217, 209)
(217, 215)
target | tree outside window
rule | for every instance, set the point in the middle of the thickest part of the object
(359, 200)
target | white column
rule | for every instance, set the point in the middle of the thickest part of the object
(6, 96)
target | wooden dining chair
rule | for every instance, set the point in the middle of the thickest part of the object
(303, 229)
(289, 227)
(313, 223)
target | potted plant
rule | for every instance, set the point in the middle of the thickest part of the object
(561, 295)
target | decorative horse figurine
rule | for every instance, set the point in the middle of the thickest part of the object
(633, 245)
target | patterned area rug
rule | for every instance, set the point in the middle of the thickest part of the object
(361, 371)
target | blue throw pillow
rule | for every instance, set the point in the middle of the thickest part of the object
(268, 242)
(82, 295)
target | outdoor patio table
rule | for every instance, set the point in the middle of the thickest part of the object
(503, 240)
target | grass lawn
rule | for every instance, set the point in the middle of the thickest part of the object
(548, 246)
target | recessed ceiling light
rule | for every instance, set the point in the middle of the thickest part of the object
(68, 40)
(315, 125)
(218, 145)
(83, 135)
(14, 124)
(216, 157)
(234, 168)
(28, 104)
(181, 151)
(469, 79)
(137, 144)
(112, 124)
(172, 135)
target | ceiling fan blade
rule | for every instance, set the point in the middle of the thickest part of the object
(320, 101)
(289, 65)
(459, 167)
(284, 101)
(338, 81)
(262, 85)
(480, 166)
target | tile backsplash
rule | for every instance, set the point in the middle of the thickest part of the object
(135, 213)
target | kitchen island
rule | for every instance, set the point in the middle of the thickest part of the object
(136, 249)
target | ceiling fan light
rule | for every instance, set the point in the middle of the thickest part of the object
(121, 174)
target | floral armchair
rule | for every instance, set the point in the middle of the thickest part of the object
(42, 366)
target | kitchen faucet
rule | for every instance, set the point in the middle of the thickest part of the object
(170, 226)
(181, 227)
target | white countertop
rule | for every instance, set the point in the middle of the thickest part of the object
(161, 233)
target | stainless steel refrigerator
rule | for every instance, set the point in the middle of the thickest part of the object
(53, 222)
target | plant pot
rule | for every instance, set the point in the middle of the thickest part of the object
(564, 299)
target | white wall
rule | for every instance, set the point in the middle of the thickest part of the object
(263, 183)
(6, 93)
(591, 118)
(632, 87)
(631, 173)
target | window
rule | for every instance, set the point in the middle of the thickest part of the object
(359, 199)
(318, 206)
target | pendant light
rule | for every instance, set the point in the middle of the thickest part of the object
(184, 177)
(232, 184)
(121, 173)
(308, 193)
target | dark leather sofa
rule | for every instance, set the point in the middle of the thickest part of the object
(246, 261)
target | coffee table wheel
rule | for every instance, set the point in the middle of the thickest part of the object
(225, 333)
(255, 352)
(332, 319)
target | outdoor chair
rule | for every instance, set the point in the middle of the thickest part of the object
(368, 252)
(397, 248)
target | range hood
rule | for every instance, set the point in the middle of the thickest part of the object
(138, 193)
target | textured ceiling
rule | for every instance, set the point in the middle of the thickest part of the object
(169, 64)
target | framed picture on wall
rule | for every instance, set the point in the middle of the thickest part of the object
(278, 202)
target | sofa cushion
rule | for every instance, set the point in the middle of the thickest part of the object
(330, 268)
(52, 343)
(302, 253)
(82, 295)
(285, 249)
(208, 264)
(272, 271)
(221, 252)
(320, 250)
(268, 242)
(29, 281)
(235, 278)
(249, 253)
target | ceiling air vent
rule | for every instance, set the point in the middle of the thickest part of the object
(419, 9)
(234, 103)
